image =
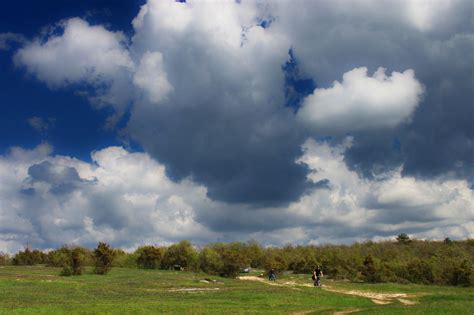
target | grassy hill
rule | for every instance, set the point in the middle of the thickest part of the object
(40, 290)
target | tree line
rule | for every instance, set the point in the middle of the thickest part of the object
(403, 260)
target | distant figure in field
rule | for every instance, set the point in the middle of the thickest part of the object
(317, 274)
(272, 275)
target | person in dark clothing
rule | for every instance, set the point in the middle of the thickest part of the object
(317, 274)
(272, 275)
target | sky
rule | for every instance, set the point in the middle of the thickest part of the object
(302, 122)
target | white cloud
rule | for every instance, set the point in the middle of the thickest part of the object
(151, 77)
(217, 77)
(385, 205)
(127, 199)
(82, 53)
(426, 14)
(121, 197)
(362, 102)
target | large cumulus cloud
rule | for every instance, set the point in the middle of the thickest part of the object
(204, 84)
(434, 38)
(362, 102)
(126, 198)
(208, 92)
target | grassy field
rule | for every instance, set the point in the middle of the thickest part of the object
(40, 290)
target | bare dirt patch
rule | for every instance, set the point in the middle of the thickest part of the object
(290, 284)
(407, 302)
(193, 289)
(375, 297)
(347, 311)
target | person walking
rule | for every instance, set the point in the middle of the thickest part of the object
(272, 275)
(317, 274)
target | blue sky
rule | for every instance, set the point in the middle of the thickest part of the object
(24, 97)
(140, 122)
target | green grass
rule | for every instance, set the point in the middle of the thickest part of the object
(40, 290)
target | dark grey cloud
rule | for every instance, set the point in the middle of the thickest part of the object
(210, 98)
(227, 157)
(440, 139)
(434, 40)
(63, 179)
(132, 202)
(229, 153)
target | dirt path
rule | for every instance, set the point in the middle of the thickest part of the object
(279, 283)
(375, 297)
(193, 289)
(348, 311)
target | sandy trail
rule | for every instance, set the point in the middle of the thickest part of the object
(348, 311)
(193, 289)
(375, 297)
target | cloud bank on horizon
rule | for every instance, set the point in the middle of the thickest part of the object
(383, 143)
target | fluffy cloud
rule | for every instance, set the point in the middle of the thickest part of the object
(216, 72)
(82, 53)
(361, 102)
(151, 78)
(127, 199)
(121, 197)
(206, 87)
(382, 206)
(330, 38)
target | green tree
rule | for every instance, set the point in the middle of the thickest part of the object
(210, 261)
(150, 257)
(369, 270)
(104, 256)
(182, 254)
(4, 259)
(462, 273)
(29, 257)
(72, 260)
(420, 271)
(403, 238)
(275, 259)
(232, 262)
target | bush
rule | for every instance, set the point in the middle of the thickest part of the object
(231, 263)
(461, 273)
(149, 257)
(104, 256)
(4, 259)
(370, 271)
(275, 260)
(182, 254)
(255, 253)
(29, 257)
(124, 259)
(211, 262)
(58, 257)
(73, 260)
(304, 264)
(420, 271)
(403, 239)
